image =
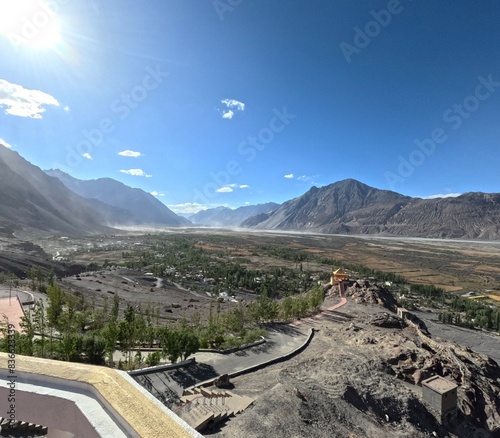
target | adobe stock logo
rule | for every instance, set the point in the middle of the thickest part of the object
(121, 108)
(372, 29)
(249, 148)
(222, 7)
(455, 116)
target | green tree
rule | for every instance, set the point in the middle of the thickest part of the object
(94, 347)
(127, 334)
(286, 308)
(315, 298)
(189, 343)
(170, 345)
(110, 335)
(55, 307)
(40, 324)
(153, 359)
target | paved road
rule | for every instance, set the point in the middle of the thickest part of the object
(167, 385)
(478, 341)
(281, 339)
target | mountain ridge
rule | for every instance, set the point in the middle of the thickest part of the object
(142, 207)
(30, 198)
(351, 207)
(228, 217)
(33, 198)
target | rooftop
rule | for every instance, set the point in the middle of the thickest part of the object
(11, 311)
(134, 411)
(439, 384)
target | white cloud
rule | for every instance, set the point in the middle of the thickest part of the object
(447, 195)
(66, 108)
(289, 176)
(187, 208)
(232, 103)
(247, 203)
(3, 142)
(22, 102)
(136, 172)
(87, 156)
(241, 186)
(311, 179)
(225, 189)
(129, 153)
(155, 193)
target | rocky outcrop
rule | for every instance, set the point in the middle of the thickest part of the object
(477, 375)
(364, 292)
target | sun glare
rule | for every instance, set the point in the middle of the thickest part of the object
(30, 23)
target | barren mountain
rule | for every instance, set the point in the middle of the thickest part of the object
(350, 207)
(227, 217)
(142, 208)
(30, 198)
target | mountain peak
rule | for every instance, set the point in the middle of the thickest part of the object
(143, 207)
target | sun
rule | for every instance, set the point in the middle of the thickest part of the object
(30, 23)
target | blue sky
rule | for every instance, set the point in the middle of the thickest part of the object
(234, 102)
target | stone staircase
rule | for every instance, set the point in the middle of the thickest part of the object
(202, 407)
(27, 429)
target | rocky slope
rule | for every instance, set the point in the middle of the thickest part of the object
(350, 207)
(30, 198)
(360, 377)
(140, 208)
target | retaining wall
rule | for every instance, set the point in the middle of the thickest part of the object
(261, 365)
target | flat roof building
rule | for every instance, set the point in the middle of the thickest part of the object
(440, 395)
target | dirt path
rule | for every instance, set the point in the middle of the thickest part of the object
(327, 312)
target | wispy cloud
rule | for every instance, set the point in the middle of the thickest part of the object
(187, 208)
(87, 156)
(129, 153)
(158, 194)
(446, 195)
(136, 172)
(228, 188)
(4, 143)
(232, 104)
(22, 102)
(311, 179)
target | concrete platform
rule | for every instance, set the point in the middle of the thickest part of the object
(85, 400)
